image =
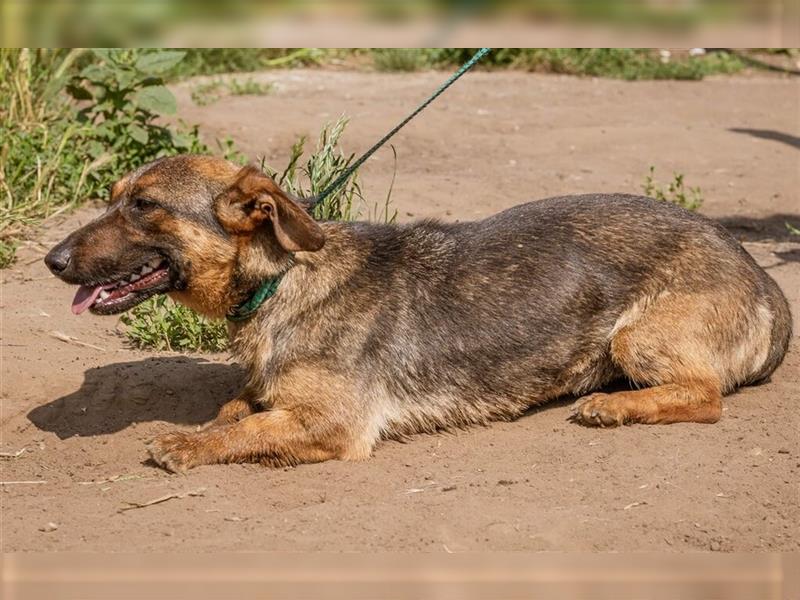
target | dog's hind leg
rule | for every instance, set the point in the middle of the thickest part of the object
(686, 351)
(698, 402)
(244, 405)
(232, 411)
(235, 410)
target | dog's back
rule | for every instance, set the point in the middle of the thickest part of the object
(450, 324)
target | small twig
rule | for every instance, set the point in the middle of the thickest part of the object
(113, 479)
(12, 454)
(133, 505)
(34, 260)
(19, 482)
(71, 340)
(27, 279)
(633, 504)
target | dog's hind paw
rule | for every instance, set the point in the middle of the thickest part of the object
(599, 410)
(176, 452)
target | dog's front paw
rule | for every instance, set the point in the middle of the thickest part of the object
(176, 452)
(600, 410)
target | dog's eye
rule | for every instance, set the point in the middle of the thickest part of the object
(143, 204)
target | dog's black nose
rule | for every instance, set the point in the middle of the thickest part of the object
(58, 259)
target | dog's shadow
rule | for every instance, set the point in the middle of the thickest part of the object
(180, 390)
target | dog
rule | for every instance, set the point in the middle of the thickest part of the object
(379, 331)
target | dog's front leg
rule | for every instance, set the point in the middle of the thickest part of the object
(278, 437)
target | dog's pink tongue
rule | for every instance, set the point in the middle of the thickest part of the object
(84, 298)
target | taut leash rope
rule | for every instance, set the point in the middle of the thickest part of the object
(315, 201)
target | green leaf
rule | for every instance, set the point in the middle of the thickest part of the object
(104, 129)
(157, 99)
(95, 149)
(96, 73)
(138, 133)
(158, 62)
(125, 77)
(180, 139)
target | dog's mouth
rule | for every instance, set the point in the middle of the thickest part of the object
(118, 296)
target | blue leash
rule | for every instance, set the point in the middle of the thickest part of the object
(315, 201)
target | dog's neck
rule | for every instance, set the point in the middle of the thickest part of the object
(275, 330)
(305, 277)
(246, 309)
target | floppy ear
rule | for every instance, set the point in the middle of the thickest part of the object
(253, 199)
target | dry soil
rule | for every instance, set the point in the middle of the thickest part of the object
(76, 414)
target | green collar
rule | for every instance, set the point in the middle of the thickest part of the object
(246, 309)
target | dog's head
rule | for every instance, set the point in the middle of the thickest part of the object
(199, 228)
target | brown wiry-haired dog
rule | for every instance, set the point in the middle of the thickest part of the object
(380, 331)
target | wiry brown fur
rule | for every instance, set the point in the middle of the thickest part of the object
(386, 331)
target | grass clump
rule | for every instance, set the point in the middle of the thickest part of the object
(675, 191)
(619, 63)
(402, 59)
(216, 61)
(209, 92)
(628, 63)
(323, 166)
(161, 324)
(8, 250)
(40, 174)
(248, 87)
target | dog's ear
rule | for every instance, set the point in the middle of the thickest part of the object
(253, 199)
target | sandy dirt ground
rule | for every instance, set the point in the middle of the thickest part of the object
(80, 414)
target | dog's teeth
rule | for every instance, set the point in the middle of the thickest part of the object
(147, 269)
(155, 262)
(135, 276)
(104, 294)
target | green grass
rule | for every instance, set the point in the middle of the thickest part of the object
(217, 61)
(248, 87)
(618, 63)
(323, 166)
(161, 324)
(41, 172)
(8, 251)
(402, 59)
(208, 92)
(675, 191)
